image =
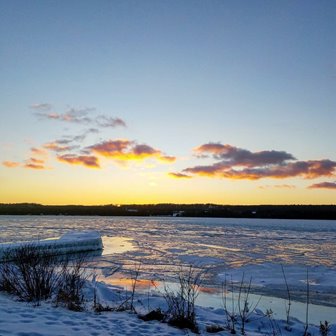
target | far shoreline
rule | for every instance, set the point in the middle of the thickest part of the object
(302, 212)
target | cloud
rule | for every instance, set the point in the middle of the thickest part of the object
(92, 130)
(59, 146)
(126, 150)
(167, 158)
(41, 106)
(305, 169)
(11, 164)
(179, 175)
(79, 116)
(34, 166)
(38, 151)
(235, 156)
(72, 115)
(278, 186)
(236, 163)
(85, 160)
(323, 185)
(34, 163)
(106, 121)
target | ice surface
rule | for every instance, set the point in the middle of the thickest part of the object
(71, 242)
(218, 245)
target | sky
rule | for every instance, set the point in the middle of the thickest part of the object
(157, 101)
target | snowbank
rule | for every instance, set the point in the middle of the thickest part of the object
(22, 319)
(72, 242)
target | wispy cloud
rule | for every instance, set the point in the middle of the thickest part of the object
(85, 160)
(237, 163)
(34, 163)
(11, 164)
(323, 185)
(127, 150)
(106, 121)
(59, 146)
(179, 175)
(72, 115)
(78, 115)
(39, 151)
(278, 186)
(41, 106)
(34, 166)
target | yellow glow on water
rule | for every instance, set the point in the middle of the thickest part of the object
(126, 283)
(114, 245)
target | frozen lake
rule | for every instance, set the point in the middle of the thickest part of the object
(225, 248)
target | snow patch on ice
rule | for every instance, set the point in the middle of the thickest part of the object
(71, 242)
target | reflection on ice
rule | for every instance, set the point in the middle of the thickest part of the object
(213, 297)
(114, 245)
(142, 285)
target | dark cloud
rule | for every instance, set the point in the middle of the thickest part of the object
(85, 160)
(323, 185)
(237, 163)
(235, 156)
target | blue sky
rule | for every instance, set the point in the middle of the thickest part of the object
(257, 75)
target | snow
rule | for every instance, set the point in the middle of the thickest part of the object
(23, 319)
(267, 278)
(71, 242)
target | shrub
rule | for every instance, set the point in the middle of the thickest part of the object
(72, 281)
(34, 274)
(324, 328)
(181, 302)
(29, 273)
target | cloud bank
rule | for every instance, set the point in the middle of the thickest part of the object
(236, 163)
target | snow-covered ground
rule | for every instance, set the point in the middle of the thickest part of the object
(24, 319)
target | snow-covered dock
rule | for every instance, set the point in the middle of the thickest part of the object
(72, 242)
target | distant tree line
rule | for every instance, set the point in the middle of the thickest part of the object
(178, 210)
